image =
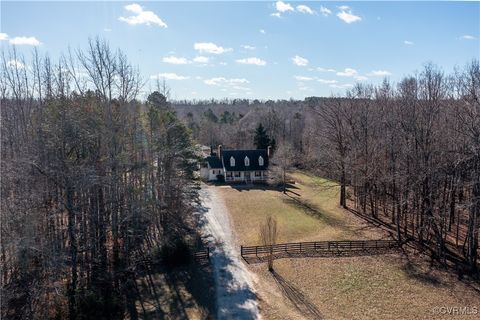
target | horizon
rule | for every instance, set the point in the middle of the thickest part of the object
(205, 50)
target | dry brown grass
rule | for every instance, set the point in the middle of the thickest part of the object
(393, 286)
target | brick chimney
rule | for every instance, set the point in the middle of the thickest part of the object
(269, 151)
(219, 154)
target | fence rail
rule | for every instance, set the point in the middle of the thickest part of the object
(333, 247)
(202, 254)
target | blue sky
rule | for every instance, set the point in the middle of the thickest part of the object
(256, 49)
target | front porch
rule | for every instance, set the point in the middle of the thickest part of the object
(246, 176)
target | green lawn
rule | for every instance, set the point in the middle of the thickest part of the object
(307, 212)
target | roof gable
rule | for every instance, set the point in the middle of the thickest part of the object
(214, 162)
(239, 156)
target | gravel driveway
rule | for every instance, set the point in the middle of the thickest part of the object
(236, 298)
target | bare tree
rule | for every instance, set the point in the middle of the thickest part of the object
(282, 160)
(268, 237)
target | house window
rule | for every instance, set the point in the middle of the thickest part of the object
(237, 174)
(232, 161)
(258, 173)
(247, 161)
(260, 161)
(229, 174)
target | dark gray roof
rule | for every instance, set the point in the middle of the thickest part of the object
(239, 156)
(214, 162)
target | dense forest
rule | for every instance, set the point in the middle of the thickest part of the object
(94, 183)
(407, 154)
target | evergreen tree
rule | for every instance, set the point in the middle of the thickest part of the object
(261, 140)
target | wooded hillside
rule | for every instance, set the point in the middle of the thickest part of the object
(94, 183)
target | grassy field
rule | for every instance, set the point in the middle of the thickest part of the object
(393, 286)
(308, 211)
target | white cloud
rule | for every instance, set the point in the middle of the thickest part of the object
(142, 16)
(276, 14)
(352, 73)
(408, 43)
(15, 64)
(175, 60)
(283, 7)
(3, 36)
(325, 11)
(253, 60)
(30, 41)
(327, 81)
(325, 70)
(209, 47)
(299, 61)
(379, 73)
(221, 81)
(347, 16)
(169, 76)
(262, 31)
(348, 72)
(248, 47)
(303, 78)
(305, 9)
(107, 30)
(361, 78)
(201, 59)
(223, 63)
(468, 37)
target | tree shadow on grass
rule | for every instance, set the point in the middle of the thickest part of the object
(314, 211)
(261, 186)
(297, 298)
(167, 293)
(415, 271)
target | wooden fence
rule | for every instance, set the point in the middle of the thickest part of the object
(202, 254)
(319, 248)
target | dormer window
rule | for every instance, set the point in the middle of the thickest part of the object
(247, 162)
(260, 161)
(232, 162)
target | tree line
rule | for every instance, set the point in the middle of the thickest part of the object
(94, 183)
(410, 154)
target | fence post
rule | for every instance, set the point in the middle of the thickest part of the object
(208, 253)
(256, 251)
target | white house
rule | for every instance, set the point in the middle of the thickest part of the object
(237, 165)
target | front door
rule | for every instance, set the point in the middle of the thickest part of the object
(247, 175)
